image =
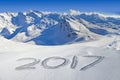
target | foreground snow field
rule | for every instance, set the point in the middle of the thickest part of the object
(95, 60)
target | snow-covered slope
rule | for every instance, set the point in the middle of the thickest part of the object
(49, 28)
(86, 61)
(91, 49)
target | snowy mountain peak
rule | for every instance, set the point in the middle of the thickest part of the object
(55, 28)
(74, 12)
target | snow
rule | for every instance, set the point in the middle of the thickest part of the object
(75, 26)
(74, 12)
(52, 46)
(89, 60)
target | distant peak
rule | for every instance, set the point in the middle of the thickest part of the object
(74, 12)
(33, 11)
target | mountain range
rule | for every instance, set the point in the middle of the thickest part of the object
(53, 28)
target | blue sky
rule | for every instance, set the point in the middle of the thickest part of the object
(107, 6)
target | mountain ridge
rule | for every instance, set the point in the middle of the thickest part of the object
(52, 28)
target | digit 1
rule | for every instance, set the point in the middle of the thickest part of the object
(74, 62)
